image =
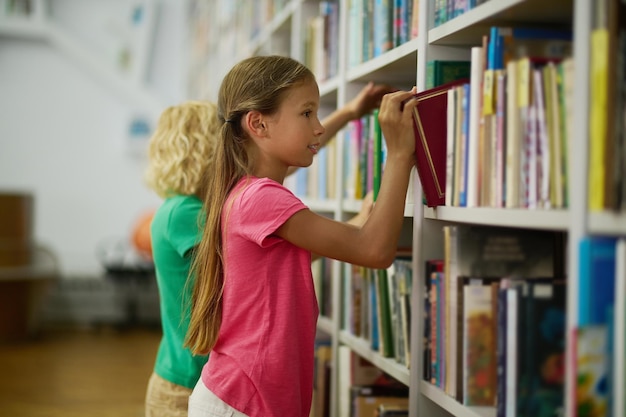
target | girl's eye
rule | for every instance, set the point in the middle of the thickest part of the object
(308, 113)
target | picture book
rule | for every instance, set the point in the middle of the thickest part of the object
(592, 371)
(544, 372)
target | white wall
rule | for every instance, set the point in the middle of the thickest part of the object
(63, 137)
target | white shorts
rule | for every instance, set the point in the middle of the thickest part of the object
(203, 403)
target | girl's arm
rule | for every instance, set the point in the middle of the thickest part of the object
(360, 219)
(374, 244)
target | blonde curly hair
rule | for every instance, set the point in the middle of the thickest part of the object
(181, 150)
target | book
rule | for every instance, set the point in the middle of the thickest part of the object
(450, 146)
(430, 128)
(592, 371)
(487, 365)
(383, 306)
(321, 387)
(458, 150)
(544, 373)
(473, 187)
(501, 347)
(440, 72)
(602, 100)
(509, 42)
(451, 307)
(565, 86)
(479, 367)
(365, 399)
(378, 157)
(513, 147)
(502, 251)
(513, 320)
(432, 266)
(353, 370)
(403, 278)
(392, 409)
(597, 279)
(464, 128)
(619, 339)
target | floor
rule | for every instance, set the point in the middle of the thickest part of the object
(97, 372)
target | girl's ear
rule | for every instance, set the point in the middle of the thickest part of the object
(255, 124)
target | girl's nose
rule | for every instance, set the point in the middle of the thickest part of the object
(320, 128)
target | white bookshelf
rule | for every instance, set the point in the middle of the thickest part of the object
(404, 67)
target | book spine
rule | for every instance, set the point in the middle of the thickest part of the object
(378, 155)
(598, 118)
(512, 146)
(543, 146)
(500, 138)
(619, 349)
(450, 145)
(474, 126)
(501, 353)
(464, 138)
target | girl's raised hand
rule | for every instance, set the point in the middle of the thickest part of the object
(396, 121)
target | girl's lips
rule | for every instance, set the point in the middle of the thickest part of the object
(314, 148)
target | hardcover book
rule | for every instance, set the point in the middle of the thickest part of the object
(430, 127)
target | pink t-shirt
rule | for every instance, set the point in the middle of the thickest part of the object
(262, 364)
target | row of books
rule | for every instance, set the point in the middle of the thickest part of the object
(377, 26)
(380, 308)
(321, 48)
(522, 156)
(364, 156)
(509, 347)
(464, 297)
(366, 391)
(446, 10)
(500, 138)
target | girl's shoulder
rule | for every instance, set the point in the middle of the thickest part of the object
(180, 204)
(251, 186)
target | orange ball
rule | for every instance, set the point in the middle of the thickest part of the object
(141, 234)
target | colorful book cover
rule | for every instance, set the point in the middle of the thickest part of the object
(592, 372)
(461, 283)
(545, 341)
(479, 364)
(597, 279)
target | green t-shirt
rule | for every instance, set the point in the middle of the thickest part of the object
(174, 232)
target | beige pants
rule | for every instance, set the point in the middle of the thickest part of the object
(203, 403)
(165, 399)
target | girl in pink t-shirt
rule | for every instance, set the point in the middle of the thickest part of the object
(254, 305)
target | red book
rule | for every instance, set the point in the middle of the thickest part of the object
(430, 126)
